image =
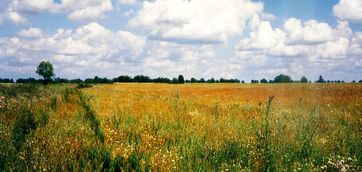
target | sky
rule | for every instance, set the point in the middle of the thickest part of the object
(244, 39)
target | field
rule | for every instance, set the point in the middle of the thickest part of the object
(181, 127)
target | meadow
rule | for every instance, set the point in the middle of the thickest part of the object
(181, 127)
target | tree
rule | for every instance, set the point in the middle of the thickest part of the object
(211, 80)
(123, 78)
(283, 79)
(304, 79)
(320, 79)
(193, 80)
(141, 78)
(263, 80)
(254, 81)
(46, 70)
(181, 79)
(174, 80)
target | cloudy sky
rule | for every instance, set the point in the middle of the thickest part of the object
(245, 39)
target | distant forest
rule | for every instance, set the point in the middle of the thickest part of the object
(282, 78)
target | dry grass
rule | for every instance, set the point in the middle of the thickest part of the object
(183, 126)
(189, 127)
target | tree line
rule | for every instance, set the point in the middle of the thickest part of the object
(282, 78)
(123, 78)
(45, 69)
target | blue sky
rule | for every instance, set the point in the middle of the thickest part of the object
(243, 39)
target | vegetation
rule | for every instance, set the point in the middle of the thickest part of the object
(46, 70)
(283, 79)
(181, 79)
(196, 127)
(304, 79)
(320, 79)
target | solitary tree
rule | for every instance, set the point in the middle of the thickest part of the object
(46, 70)
(304, 79)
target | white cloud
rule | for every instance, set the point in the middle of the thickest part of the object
(90, 11)
(12, 17)
(91, 46)
(83, 11)
(206, 21)
(310, 31)
(348, 10)
(297, 48)
(263, 37)
(128, 2)
(311, 39)
(267, 16)
(171, 59)
(31, 33)
(31, 6)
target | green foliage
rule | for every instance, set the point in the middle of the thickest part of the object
(283, 79)
(232, 153)
(304, 79)
(43, 118)
(263, 80)
(24, 125)
(174, 80)
(320, 79)
(53, 103)
(118, 163)
(181, 79)
(99, 157)
(84, 85)
(267, 150)
(46, 70)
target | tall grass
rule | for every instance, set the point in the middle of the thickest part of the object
(161, 127)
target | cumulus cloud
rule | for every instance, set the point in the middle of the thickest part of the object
(171, 59)
(196, 21)
(297, 47)
(83, 11)
(91, 45)
(128, 2)
(348, 10)
(12, 17)
(87, 11)
(310, 31)
(312, 40)
(31, 33)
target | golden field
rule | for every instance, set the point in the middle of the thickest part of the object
(171, 123)
(185, 127)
